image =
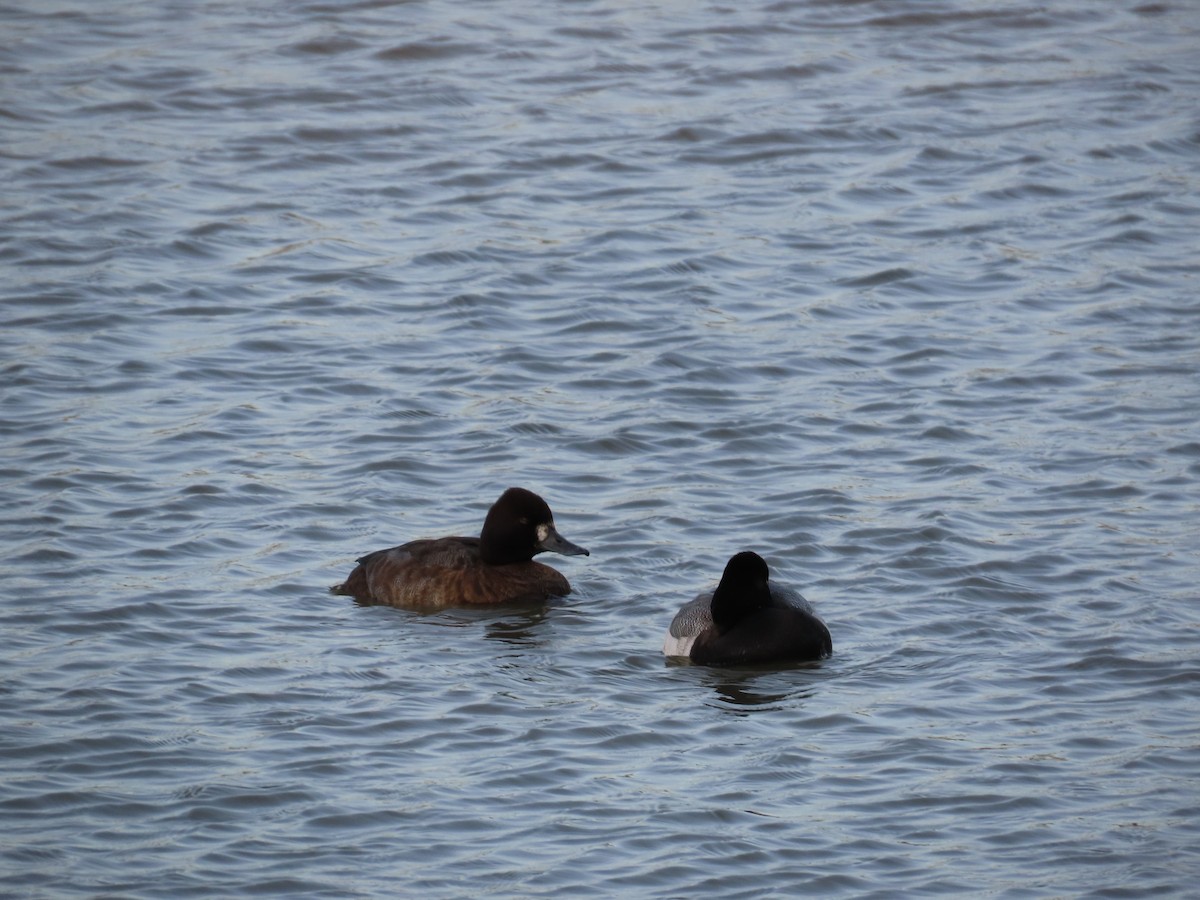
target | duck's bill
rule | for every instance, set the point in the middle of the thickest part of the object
(551, 541)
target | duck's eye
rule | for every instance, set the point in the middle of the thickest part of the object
(524, 520)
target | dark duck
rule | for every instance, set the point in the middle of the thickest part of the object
(747, 621)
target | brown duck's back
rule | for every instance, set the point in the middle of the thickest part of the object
(442, 572)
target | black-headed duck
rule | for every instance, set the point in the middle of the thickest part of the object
(747, 621)
(496, 567)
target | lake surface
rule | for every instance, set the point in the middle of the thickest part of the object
(903, 295)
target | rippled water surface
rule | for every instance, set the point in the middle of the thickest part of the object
(902, 295)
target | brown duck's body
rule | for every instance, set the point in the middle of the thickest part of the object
(449, 571)
(496, 567)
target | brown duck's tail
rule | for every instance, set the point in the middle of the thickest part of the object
(354, 586)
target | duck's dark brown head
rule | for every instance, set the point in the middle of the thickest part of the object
(518, 527)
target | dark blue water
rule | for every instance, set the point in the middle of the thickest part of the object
(901, 295)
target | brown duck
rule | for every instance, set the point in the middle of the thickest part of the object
(496, 567)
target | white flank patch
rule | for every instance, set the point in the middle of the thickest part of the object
(678, 646)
